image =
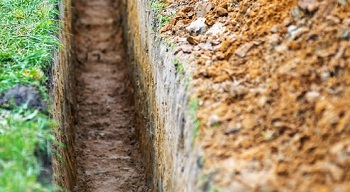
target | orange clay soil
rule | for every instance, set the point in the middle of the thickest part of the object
(272, 79)
(106, 148)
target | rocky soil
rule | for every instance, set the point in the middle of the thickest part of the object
(272, 80)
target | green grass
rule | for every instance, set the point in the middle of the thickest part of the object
(158, 5)
(178, 65)
(22, 132)
(193, 109)
(27, 42)
(207, 184)
(163, 19)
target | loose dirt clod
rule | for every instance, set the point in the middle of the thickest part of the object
(21, 94)
(106, 148)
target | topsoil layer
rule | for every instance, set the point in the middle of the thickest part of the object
(106, 148)
(272, 79)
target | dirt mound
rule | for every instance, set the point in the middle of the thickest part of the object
(273, 83)
(22, 94)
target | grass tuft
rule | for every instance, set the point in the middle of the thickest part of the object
(158, 5)
(193, 109)
(178, 65)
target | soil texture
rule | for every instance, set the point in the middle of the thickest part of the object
(272, 81)
(106, 147)
(21, 94)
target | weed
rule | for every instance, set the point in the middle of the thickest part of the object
(163, 19)
(168, 43)
(158, 5)
(195, 129)
(193, 109)
(206, 183)
(179, 66)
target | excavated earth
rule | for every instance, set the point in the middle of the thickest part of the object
(270, 85)
(106, 149)
(272, 80)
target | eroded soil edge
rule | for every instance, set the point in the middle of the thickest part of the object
(106, 147)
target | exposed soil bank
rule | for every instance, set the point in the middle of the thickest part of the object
(64, 103)
(165, 121)
(271, 80)
(106, 147)
(165, 140)
(270, 86)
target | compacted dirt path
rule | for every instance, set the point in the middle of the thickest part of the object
(107, 152)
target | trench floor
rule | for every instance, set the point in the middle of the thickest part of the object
(106, 147)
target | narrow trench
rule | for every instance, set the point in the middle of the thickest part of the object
(106, 148)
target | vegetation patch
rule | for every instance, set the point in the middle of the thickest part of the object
(163, 16)
(179, 66)
(27, 42)
(193, 109)
(158, 5)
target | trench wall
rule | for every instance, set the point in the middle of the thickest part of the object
(63, 103)
(161, 100)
